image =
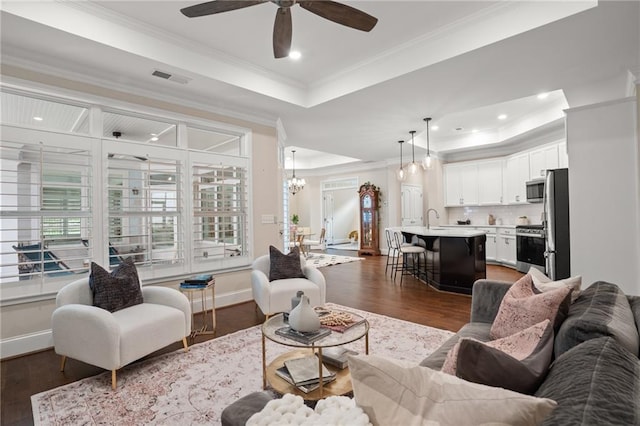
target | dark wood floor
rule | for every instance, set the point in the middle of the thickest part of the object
(362, 285)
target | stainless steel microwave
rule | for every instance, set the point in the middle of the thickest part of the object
(535, 191)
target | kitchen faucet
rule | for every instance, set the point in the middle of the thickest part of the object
(437, 216)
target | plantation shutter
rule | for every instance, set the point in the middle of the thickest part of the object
(220, 209)
(144, 199)
(45, 206)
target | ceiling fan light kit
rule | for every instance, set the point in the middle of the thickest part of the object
(282, 27)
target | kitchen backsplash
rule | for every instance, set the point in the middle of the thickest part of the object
(507, 214)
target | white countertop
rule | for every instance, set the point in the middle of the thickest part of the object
(472, 225)
(438, 231)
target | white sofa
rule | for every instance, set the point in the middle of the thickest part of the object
(275, 296)
(113, 340)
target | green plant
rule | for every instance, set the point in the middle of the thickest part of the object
(295, 219)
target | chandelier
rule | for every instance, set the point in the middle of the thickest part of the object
(295, 185)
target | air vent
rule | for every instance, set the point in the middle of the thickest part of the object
(171, 77)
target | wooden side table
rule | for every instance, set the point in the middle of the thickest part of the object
(202, 293)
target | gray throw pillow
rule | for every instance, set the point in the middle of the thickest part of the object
(595, 383)
(601, 310)
(519, 364)
(116, 290)
(283, 266)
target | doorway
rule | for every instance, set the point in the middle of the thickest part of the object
(411, 201)
(340, 210)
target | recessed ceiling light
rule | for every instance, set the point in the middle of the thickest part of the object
(543, 95)
(155, 138)
(295, 55)
(38, 118)
(502, 117)
(474, 131)
(434, 127)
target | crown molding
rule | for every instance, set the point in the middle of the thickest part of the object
(92, 77)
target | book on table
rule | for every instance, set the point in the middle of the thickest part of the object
(283, 372)
(304, 371)
(337, 356)
(202, 279)
(196, 286)
(302, 336)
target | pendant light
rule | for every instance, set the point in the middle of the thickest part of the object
(295, 185)
(413, 167)
(401, 174)
(426, 161)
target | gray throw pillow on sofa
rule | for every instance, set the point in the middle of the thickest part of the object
(283, 266)
(595, 383)
(519, 364)
(601, 310)
(116, 290)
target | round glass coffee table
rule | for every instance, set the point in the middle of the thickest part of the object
(340, 386)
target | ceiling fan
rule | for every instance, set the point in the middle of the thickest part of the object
(282, 28)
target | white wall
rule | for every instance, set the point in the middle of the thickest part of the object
(604, 183)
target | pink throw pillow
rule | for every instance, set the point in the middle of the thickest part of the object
(522, 307)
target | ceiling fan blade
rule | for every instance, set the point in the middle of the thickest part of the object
(217, 6)
(341, 14)
(282, 33)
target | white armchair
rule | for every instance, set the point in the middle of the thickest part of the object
(275, 296)
(113, 340)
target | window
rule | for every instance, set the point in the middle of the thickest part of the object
(46, 208)
(68, 199)
(145, 208)
(220, 209)
(139, 129)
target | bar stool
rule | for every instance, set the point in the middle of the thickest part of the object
(404, 250)
(392, 252)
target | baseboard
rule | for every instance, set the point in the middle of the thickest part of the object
(33, 342)
(222, 300)
(26, 343)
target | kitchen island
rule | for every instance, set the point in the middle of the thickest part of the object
(456, 258)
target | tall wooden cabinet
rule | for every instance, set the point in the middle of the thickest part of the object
(369, 232)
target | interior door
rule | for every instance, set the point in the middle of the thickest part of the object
(411, 202)
(327, 215)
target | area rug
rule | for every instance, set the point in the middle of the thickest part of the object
(320, 260)
(193, 388)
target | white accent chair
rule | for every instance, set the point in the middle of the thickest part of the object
(273, 297)
(112, 340)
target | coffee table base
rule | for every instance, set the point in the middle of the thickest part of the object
(340, 386)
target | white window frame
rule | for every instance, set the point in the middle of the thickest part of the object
(20, 292)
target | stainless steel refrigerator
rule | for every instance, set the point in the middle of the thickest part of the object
(556, 224)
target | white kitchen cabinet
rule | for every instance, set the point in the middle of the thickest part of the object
(491, 244)
(541, 160)
(490, 182)
(563, 157)
(516, 177)
(506, 246)
(461, 184)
